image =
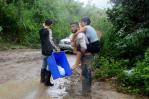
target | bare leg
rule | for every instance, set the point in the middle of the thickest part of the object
(78, 60)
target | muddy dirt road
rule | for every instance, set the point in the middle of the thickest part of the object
(20, 75)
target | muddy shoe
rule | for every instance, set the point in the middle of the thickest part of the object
(42, 75)
(48, 84)
(47, 79)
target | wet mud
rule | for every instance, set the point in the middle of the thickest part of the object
(20, 79)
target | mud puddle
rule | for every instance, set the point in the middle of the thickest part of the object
(32, 89)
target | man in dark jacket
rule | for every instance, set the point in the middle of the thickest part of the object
(47, 46)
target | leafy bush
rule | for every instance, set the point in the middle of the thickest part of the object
(123, 54)
(131, 45)
(1, 28)
(137, 81)
(108, 67)
(130, 35)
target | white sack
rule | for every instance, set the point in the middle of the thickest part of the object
(61, 70)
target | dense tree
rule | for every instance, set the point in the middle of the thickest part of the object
(21, 19)
(125, 50)
(131, 26)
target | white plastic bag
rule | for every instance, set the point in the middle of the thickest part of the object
(61, 70)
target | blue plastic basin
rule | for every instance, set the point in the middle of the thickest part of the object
(58, 58)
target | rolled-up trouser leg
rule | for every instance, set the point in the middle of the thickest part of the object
(86, 73)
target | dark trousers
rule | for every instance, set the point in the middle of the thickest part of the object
(86, 67)
(45, 72)
(44, 62)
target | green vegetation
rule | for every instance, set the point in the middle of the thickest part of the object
(136, 81)
(125, 49)
(22, 19)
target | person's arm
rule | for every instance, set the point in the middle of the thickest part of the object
(82, 42)
(82, 29)
(72, 39)
(52, 42)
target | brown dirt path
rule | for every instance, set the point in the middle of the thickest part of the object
(19, 79)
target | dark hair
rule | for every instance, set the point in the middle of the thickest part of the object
(75, 23)
(86, 19)
(48, 22)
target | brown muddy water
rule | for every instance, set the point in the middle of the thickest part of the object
(20, 76)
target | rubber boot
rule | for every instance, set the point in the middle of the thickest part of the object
(47, 79)
(42, 75)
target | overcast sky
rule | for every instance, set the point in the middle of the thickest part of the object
(98, 3)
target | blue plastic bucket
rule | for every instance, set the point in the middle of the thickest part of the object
(58, 58)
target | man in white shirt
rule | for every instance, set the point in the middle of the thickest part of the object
(86, 58)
